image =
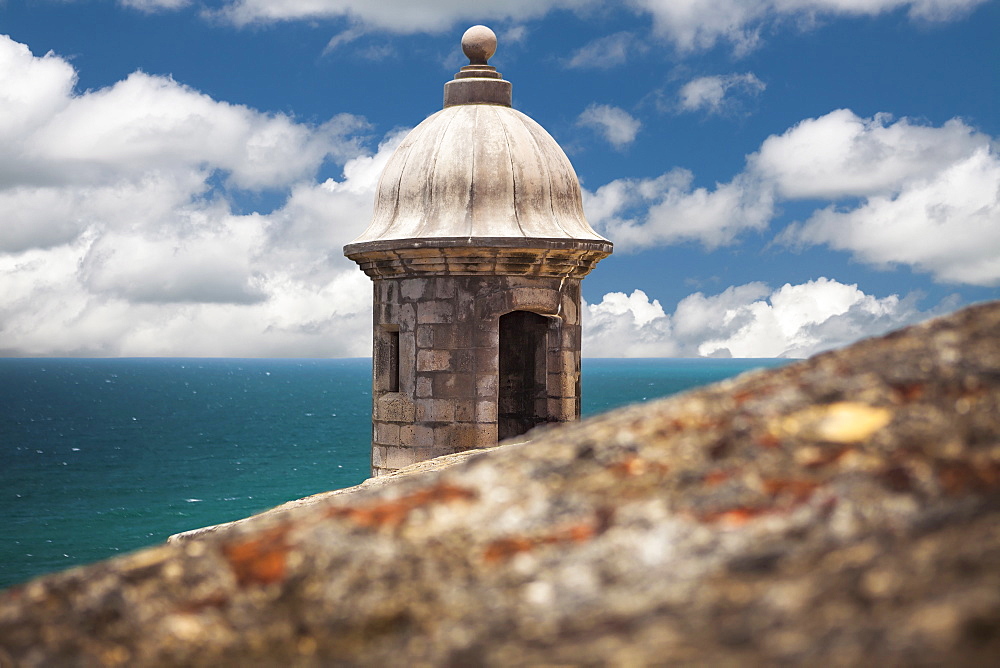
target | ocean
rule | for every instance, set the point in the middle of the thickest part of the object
(103, 456)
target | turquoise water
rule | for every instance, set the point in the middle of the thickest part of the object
(104, 456)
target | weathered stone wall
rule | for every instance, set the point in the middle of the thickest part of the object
(841, 511)
(448, 333)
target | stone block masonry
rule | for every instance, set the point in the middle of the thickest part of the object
(444, 336)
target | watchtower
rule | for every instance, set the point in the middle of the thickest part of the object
(476, 249)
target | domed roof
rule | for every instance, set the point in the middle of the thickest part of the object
(477, 173)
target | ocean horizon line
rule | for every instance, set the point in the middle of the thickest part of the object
(368, 358)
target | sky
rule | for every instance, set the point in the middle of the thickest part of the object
(779, 177)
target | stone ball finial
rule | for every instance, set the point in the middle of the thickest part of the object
(479, 44)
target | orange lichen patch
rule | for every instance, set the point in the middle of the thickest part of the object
(798, 490)
(629, 466)
(391, 514)
(634, 466)
(505, 548)
(907, 392)
(259, 560)
(787, 493)
(734, 516)
(958, 477)
(743, 396)
(768, 440)
(693, 421)
(713, 478)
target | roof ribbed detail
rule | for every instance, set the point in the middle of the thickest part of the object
(477, 170)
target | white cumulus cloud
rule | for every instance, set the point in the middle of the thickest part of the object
(402, 16)
(689, 25)
(701, 24)
(121, 234)
(710, 93)
(641, 213)
(749, 320)
(616, 125)
(149, 122)
(947, 224)
(889, 192)
(929, 196)
(843, 155)
(605, 52)
(151, 6)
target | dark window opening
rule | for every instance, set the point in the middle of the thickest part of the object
(522, 400)
(392, 355)
(385, 364)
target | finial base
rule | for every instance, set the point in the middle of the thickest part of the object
(478, 72)
(477, 90)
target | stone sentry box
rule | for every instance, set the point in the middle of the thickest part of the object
(476, 250)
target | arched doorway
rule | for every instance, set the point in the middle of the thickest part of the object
(522, 398)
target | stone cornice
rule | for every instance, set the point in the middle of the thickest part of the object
(490, 256)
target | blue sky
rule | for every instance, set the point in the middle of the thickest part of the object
(177, 178)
